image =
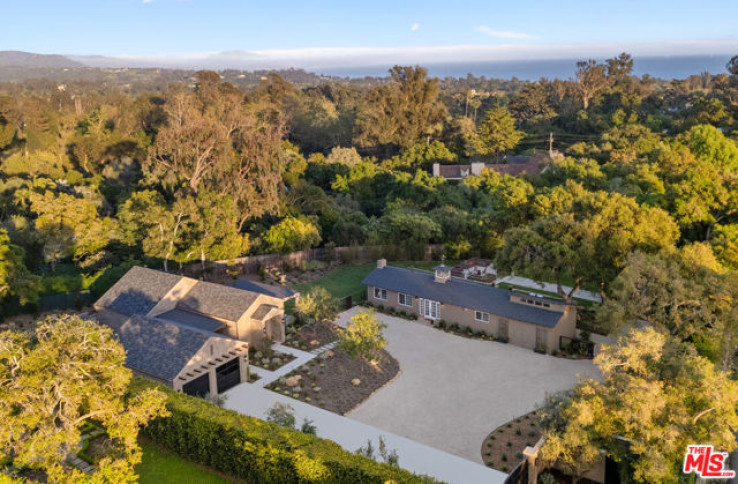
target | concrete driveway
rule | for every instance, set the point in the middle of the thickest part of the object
(453, 391)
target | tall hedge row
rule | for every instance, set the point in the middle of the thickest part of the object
(257, 451)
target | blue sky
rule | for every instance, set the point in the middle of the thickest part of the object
(324, 29)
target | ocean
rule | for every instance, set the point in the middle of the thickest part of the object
(666, 67)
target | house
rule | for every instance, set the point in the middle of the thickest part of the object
(476, 269)
(512, 165)
(242, 314)
(186, 359)
(523, 319)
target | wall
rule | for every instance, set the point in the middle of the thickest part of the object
(214, 348)
(519, 333)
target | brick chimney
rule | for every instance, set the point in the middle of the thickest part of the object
(381, 263)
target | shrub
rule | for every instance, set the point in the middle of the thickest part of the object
(518, 432)
(504, 458)
(442, 324)
(503, 468)
(253, 450)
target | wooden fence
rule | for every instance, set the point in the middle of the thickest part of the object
(351, 254)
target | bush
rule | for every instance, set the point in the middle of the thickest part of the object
(253, 450)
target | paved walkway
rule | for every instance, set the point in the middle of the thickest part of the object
(453, 391)
(549, 287)
(254, 400)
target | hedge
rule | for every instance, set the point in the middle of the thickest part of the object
(258, 451)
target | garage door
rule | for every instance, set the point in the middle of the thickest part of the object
(228, 374)
(199, 387)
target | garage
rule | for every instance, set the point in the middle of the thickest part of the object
(228, 375)
(199, 387)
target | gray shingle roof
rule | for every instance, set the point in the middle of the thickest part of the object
(192, 319)
(279, 292)
(159, 348)
(223, 302)
(461, 293)
(138, 291)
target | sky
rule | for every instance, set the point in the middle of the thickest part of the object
(328, 31)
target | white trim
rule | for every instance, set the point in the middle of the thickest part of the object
(482, 314)
(380, 291)
(430, 309)
(406, 296)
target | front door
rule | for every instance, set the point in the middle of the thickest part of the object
(430, 309)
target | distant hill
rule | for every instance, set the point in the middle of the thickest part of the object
(15, 58)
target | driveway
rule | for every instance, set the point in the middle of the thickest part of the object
(453, 391)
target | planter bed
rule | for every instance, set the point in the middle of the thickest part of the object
(328, 381)
(503, 448)
(274, 361)
(309, 337)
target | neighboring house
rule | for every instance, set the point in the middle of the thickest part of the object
(513, 166)
(523, 319)
(474, 268)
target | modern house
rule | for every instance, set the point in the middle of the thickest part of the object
(512, 165)
(192, 335)
(523, 319)
(244, 314)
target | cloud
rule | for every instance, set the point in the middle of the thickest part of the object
(502, 34)
(415, 27)
(146, 1)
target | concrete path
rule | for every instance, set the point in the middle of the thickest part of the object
(453, 391)
(549, 287)
(254, 400)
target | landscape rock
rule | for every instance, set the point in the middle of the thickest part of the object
(292, 381)
(314, 342)
(356, 382)
(258, 355)
(277, 361)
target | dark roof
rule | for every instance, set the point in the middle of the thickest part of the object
(195, 320)
(461, 293)
(223, 302)
(517, 165)
(454, 171)
(279, 292)
(157, 347)
(262, 311)
(138, 291)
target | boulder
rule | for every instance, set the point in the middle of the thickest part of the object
(277, 361)
(316, 389)
(292, 381)
(314, 342)
(329, 354)
(356, 382)
(258, 355)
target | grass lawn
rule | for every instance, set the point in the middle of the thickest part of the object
(346, 279)
(159, 466)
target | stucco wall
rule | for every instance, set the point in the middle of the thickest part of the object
(519, 333)
(214, 348)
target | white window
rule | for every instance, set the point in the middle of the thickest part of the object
(380, 294)
(430, 309)
(404, 299)
(481, 316)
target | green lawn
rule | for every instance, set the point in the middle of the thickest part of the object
(346, 279)
(159, 466)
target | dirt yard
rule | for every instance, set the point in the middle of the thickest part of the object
(330, 381)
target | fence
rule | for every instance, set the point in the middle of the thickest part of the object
(351, 254)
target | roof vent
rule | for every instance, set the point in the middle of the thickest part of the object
(381, 263)
(443, 273)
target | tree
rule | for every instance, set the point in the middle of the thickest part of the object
(363, 336)
(401, 113)
(680, 295)
(406, 229)
(346, 156)
(656, 397)
(68, 372)
(591, 79)
(317, 304)
(620, 68)
(15, 279)
(497, 133)
(292, 234)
